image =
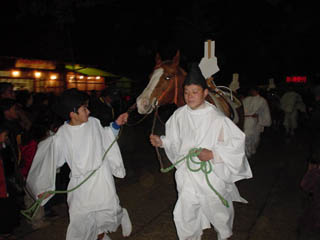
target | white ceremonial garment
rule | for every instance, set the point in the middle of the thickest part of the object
(257, 116)
(197, 205)
(93, 207)
(291, 102)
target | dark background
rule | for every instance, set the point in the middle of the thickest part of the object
(258, 39)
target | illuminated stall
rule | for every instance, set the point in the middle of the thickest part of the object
(51, 76)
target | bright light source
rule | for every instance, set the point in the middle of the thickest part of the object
(37, 74)
(81, 77)
(16, 73)
(97, 77)
(53, 76)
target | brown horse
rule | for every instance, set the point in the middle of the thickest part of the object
(165, 87)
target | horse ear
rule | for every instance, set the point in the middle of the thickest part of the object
(176, 58)
(158, 59)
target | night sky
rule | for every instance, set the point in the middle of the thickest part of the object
(259, 39)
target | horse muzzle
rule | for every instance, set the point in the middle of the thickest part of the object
(145, 106)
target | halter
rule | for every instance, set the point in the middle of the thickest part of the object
(175, 98)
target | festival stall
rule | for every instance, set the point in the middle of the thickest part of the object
(50, 76)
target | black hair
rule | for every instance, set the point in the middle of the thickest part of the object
(195, 77)
(70, 101)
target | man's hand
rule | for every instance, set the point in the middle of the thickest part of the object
(46, 195)
(205, 155)
(155, 140)
(122, 119)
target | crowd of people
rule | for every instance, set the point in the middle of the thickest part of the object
(33, 126)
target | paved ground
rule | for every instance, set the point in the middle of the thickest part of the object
(274, 196)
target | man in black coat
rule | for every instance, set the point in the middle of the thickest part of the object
(103, 107)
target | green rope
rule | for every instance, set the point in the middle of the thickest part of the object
(204, 166)
(31, 211)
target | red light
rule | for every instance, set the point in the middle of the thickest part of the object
(296, 79)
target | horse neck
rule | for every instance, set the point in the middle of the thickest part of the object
(174, 93)
(180, 99)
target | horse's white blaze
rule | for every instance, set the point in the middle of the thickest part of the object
(144, 103)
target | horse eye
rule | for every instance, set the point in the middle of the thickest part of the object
(167, 78)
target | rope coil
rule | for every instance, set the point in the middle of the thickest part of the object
(204, 166)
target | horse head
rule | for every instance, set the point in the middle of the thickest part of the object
(164, 87)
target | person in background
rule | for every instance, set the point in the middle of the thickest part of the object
(7, 92)
(103, 107)
(291, 103)
(257, 117)
(11, 154)
(8, 208)
(309, 222)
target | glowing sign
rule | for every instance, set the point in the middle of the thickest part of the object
(296, 79)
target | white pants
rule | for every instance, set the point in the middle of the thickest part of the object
(192, 214)
(87, 226)
(290, 121)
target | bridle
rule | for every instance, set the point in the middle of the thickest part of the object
(176, 90)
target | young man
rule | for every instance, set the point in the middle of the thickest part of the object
(94, 207)
(257, 117)
(291, 103)
(200, 124)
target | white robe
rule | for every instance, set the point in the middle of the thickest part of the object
(93, 207)
(291, 103)
(197, 205)
(253, 126)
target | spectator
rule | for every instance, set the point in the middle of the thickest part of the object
(8, 206)
(102, 107)
(6, 91)
(11, 154)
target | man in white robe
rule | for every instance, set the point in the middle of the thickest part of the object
(200, 124)
(257, 117)
(94, 207)
(291, 103)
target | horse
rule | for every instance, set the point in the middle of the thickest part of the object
(165, 87)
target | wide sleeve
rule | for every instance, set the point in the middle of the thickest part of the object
(113, 156)
(229, 150)
(170, 140)
(42, 175)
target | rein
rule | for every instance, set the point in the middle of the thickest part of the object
(175, 98)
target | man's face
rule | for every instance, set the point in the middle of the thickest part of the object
(194, 95)
(253, 92)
